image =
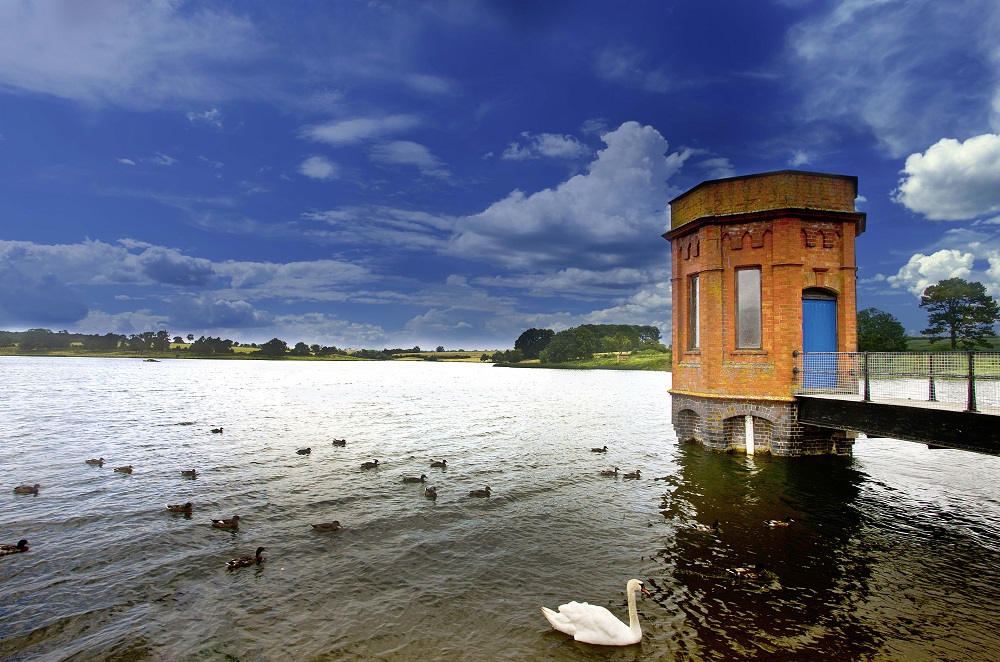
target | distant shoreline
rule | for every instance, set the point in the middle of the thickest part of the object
(608, 361)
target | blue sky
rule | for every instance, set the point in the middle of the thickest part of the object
(453, 172)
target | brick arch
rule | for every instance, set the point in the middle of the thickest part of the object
(734, 432)
(687, 425)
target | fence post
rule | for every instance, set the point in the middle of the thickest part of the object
(972, 384)
(864, 367)
(933, 388)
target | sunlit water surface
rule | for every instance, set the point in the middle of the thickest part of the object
(892, 555)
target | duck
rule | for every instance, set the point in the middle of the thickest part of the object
(339, 442)
(327, 526)
(99, 462)
(414, 479)
(189, 473)
(304, 451)
(633, 475)
(609, 472)
(440, 463)
(592, 624)
(216, 430)
(27, 489)
(756, 572)
(21, 546)
(245, 561)
(705, 528)
(370, 465)
(480, 493)
(431, 492)
(779, 522)
(180, 507)
(599, 450)
(232, 524)
(124, 470)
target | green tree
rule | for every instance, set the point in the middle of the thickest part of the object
(878, 331)
(575, 343)
(440, 348)
(273, 347)
(533, 341)
(620, 343)
(960, 312)
(300, 349)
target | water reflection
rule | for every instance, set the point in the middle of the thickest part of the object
(802, 599)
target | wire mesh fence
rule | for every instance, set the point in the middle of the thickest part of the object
(967, 380)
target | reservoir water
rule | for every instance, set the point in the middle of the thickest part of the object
(893, 554)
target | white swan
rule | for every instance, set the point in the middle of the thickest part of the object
(596, 625)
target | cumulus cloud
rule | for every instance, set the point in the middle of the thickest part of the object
(405, 152)
(924, 270)
(549, 145)
(207, 311)
(132, 54)
(319, 167)
(952, 180)
(99, 263)
(866, 62)
(346, 132)
(170, 267)
(598, 220)
(37, 299)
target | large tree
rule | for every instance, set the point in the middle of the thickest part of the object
(533, 341)
(879, 331)
(575, 343)
(960, 312)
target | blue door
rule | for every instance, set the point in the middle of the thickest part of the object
(819, 334)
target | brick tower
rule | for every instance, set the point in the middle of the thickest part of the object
(763, 267)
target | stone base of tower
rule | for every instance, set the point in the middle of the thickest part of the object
(722, 424)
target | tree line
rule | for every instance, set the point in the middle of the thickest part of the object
(959, 313)
(582, 342)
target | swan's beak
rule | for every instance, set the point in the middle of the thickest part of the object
(645, 590)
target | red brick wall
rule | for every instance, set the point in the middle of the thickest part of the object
(794, 249)
(768, 191)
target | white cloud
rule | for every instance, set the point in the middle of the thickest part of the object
(346, 132)
(718, 167)
(318, 167)
(598, 220)
(799, 158)
(405, 152)
(953, 180)
(431, 85)
(867, 62)
(211, 117)
(625, 66)
(133, 54)
(160, 159)
(129, 162)
(549, 145)
(924, 270)
(381, 225)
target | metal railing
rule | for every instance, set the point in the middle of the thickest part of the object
(936, 379)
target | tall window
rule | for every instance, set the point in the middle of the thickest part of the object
(694, 320)
(748, 332)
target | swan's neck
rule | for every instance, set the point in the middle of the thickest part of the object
(633, 615)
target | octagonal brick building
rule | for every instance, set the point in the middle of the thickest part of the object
(763, 267)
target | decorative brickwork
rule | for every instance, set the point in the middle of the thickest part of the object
(798, 230)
